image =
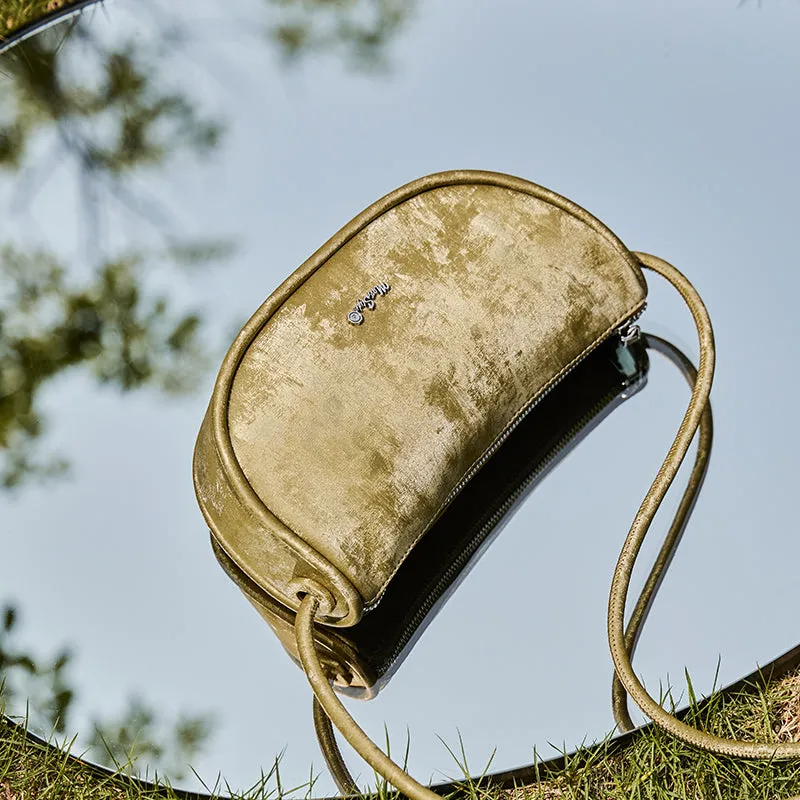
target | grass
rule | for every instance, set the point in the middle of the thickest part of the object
(657, 766)
(652, 766)
(15, 14)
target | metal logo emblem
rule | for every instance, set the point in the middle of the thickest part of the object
(356, 317)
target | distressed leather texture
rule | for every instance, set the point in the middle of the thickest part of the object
(329, 448)
(362, 659)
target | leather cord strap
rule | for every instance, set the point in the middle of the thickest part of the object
(338, 714)
(641, 523)
(331, 752)
(620, 643)
(619, 697)
(322, 724)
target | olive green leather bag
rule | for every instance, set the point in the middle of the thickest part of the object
(368, 391)
(362, 658)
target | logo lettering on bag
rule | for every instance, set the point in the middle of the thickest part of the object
(356, 317)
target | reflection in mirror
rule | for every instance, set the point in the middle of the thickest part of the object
(93, 114)
(98, 113)
(164, 166)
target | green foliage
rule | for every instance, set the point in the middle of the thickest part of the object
(113, 119)
(135, 739)
(359, 30)
(108, 324)
(40, 682)
(138, 736)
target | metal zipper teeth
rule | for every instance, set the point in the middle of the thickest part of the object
(490, 523)
(524, 413)
(512, 426)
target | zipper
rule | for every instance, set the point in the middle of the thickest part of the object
(489, 523)
(628, 329)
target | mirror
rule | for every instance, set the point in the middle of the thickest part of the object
(164, 166)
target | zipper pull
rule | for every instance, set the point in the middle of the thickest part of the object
(629, 332)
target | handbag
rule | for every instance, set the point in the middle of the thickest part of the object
(362, 659)
(372, 387)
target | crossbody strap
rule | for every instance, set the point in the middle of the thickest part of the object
(326, 737)
(705, 435)
(620, 583)
(322, 724)
(619, 644)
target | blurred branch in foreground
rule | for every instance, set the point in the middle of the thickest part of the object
(104, 112)
(108, 325)
(360, 31)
